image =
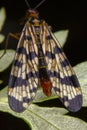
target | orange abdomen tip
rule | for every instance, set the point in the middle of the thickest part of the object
(47, 86)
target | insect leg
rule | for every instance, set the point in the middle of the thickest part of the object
(16, 36)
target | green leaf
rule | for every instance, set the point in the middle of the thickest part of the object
(41, 97)
(2, 17)
(2, 37)
(81, 71)
(62, 36)
(6, 59)
(44, 118)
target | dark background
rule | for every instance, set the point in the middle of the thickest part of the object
(60, 14)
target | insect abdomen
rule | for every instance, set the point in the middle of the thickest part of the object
(43, 76)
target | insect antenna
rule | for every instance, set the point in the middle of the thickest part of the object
(27, 3)
(36, 5)
(39, 4)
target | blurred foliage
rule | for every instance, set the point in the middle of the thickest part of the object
(2, 20)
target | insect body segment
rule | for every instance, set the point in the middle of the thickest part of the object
(39, 57)
(43, 76)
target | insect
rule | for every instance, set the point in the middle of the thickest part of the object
(40, 59)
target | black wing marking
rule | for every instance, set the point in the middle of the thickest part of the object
(23, 80)
(62, 75)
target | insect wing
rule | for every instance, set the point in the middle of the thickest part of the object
(62, 75)
(23, 80)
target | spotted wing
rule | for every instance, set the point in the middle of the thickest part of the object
(23, 80)
(62, 75)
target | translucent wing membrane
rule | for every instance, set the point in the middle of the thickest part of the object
(62, 76)
(24, 75)
(39, 57)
